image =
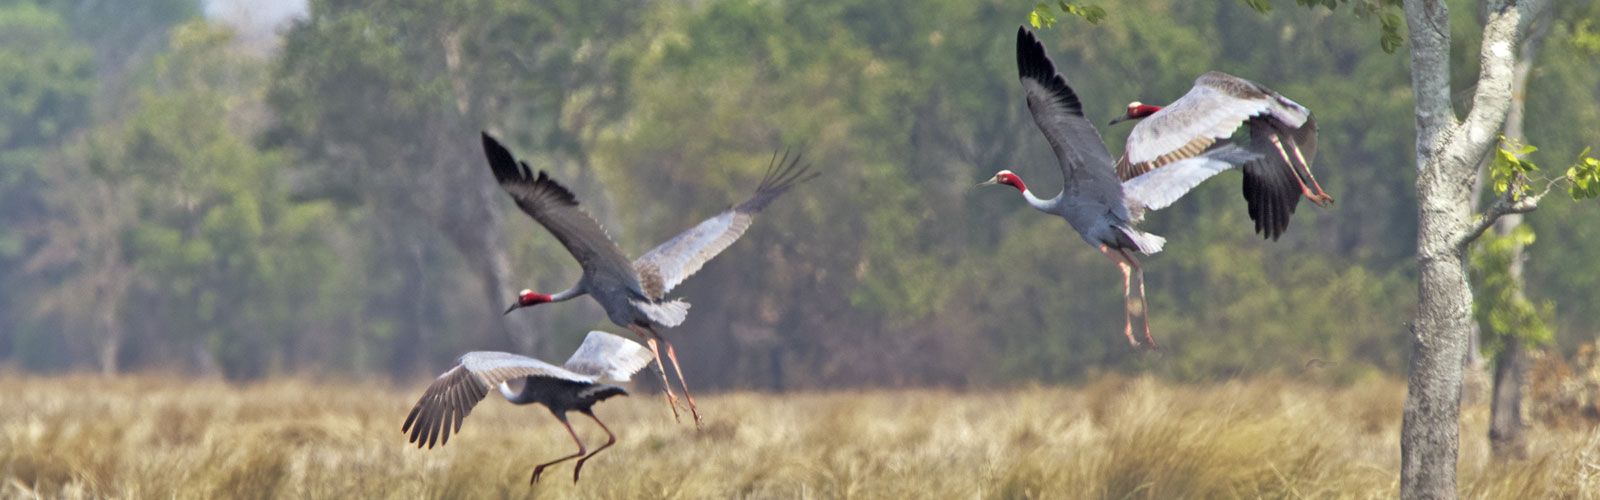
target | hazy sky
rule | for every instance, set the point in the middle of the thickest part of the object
(257, 21)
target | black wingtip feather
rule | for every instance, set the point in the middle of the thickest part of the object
(501, 162)
(782, 175)
(1033, 63)
(510, 171)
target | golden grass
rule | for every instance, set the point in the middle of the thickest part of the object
(153, 437)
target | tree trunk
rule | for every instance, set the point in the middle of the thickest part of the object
(1506, 427)
(110, 344)
(499, 283)
(1447, 153)
(1511, 364)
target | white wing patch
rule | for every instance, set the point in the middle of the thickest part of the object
(609, 356)
(1159, 188)
(492, 368)
(1203, 112)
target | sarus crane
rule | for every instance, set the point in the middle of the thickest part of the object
(1104, 207)
(633, 294)
(574, 386)
(1282, 131)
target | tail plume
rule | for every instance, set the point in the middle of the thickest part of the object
(1146, 243)
(667, 313)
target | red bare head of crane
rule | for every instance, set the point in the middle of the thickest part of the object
(1136, 110)
(528, 298)
(1007, 178)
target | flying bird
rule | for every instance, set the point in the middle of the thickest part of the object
(1282, 132)
(1101, 206)
(633, 294)
(575, 386)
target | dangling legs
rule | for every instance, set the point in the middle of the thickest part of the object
(1295, 171)
(537, 470)
(1138, 306)
(650, 340)
(672, 354)
(1306, 166)
(1127, 316)
(610, 440)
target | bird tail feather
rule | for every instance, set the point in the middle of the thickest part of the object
(668, 314)
(602, 392)
(1146, 243)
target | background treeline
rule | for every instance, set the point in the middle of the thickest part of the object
(176, 197)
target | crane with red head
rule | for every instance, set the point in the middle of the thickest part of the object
(1104, 200)
(633, 294)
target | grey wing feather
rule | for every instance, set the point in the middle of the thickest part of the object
(1156, 189)
(668, 264)
(1085, 163)
(555, 208)
(451, 397)
(609, 357)
(495, 367)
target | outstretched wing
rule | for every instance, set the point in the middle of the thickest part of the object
(1211, 111)
(451, 397)
(1085, 163)
(1156, 189)
(668, 264)
(557, 210)
(608, 356)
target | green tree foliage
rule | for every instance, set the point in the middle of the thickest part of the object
(329, 208)
(191, 222)
(48, 76)
(1043, 16)
(1386, 12)
(1507, 315)
(383, 103)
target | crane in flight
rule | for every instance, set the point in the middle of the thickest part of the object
(633, 294)
(1281, 131)
(1104, 207)
(574, 386)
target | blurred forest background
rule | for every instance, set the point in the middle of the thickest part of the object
(287, 188)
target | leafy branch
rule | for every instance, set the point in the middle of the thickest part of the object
(1513, 173)
(1044, 15)
(1387, 12)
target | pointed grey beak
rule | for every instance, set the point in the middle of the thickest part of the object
(1118, 119)
(992, 181)
(514, 306)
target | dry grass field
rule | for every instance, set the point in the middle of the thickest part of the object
(159, 437)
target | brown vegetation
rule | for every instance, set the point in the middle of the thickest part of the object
(152, 437)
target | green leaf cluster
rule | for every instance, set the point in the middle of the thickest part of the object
(1585, 177)
(1510, 169)
(1385, 11)
(1500, 305)
(1043, 15)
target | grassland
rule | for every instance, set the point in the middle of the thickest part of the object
(162, 437)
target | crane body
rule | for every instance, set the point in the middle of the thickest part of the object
(576, 386)
(633, 294)
(1169, 154)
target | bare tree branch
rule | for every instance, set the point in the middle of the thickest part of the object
(1501, 208)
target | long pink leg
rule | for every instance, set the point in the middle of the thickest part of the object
(1137, 304)
(1127, 310)
(672, 354)
(539, 469)
(1306, 166)
(1295, 171)
(650, 340)
(611, 439)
